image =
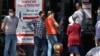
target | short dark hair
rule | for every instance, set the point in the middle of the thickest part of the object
(41, 12)
(50, 12)
(12, 9)
(79, 3)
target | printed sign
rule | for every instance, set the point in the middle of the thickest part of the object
(87, 7)
(26, 10)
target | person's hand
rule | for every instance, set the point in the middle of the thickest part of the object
(60, 25)
(2, 31)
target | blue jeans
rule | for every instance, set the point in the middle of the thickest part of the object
(10, 43)
(52, 39)
(37, 43)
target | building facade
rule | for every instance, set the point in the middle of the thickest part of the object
(68, 7)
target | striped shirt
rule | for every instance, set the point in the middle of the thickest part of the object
(38, 27)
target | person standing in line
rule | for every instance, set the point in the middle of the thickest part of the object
(97, 34)
(9, 26)
(97, 29)
(80, 18)
(60, 19)
(74, 39)
(51, 32)
(38, 27)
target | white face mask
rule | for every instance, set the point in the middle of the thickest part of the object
(11, 14)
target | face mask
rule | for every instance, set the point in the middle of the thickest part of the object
(11, 14)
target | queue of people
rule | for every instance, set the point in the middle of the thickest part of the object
(45, 32)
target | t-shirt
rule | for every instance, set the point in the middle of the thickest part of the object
(38, 27)
(50, 27)
(11, 24)
(80, 17)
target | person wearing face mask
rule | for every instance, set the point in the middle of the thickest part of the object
(9, 26)
(11, 14)
(74, 39)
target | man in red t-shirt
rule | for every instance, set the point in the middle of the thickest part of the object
(51, 32)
